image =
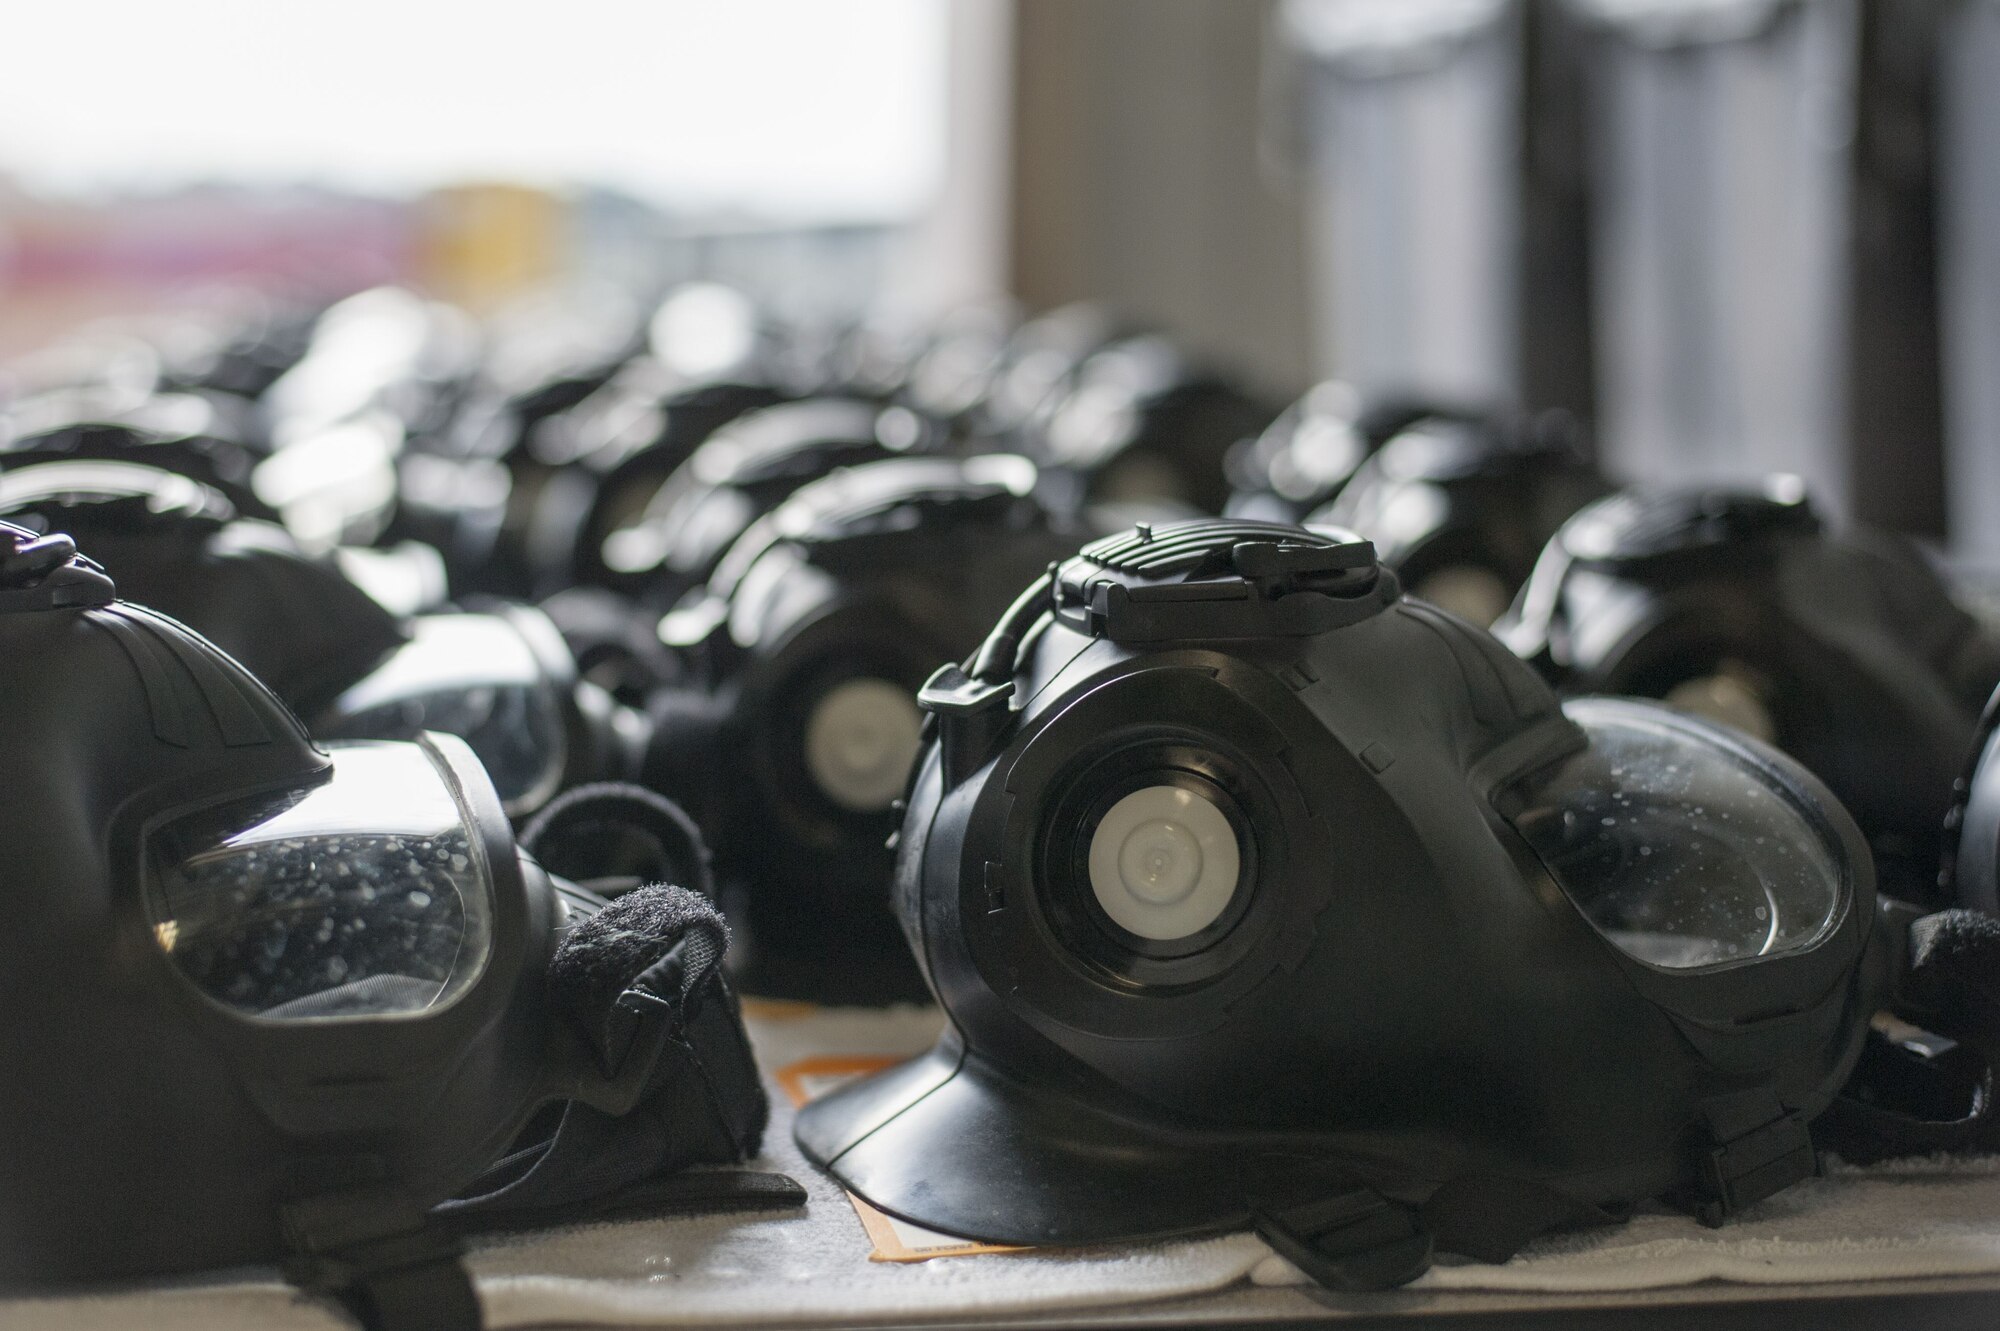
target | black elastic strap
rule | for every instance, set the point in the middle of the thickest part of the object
(407, 1280)
(435, 1296)
(586, 835)
(1361, 1240)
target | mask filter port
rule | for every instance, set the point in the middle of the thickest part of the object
(1164, 863)
(1150, 864)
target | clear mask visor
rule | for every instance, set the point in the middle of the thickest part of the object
(1684, 850)
(366, 894)
(473, 676)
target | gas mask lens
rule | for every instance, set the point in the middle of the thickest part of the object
(473, 676)
(366, 895)
(1164, 863)
(1683, 850)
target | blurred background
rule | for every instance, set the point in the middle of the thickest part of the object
(1731, 237)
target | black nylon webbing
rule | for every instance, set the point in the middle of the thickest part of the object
(433, 1296)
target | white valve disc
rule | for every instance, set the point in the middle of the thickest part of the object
(1164, 863)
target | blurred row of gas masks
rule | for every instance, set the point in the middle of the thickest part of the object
(716, 553)
(702, 548)
(905, 650)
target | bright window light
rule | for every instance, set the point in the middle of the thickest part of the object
(794, 109)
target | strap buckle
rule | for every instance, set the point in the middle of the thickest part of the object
(383, 1258)
(1760, 1149)
(1357, 1240)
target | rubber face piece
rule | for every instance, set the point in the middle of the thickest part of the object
(862, 738)
(1164, 863)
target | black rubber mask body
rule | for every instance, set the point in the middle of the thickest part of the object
(1258, 894)
(1461, 509)
(319, 990)
(793, 734)
(744, 471)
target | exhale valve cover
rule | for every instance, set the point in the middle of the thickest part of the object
(1258, 894)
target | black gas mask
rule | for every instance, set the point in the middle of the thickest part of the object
(1260, 895)
(792, 735)
(277, 1002)
(472, 488)
(1303, 458)
(321, 632)
(1461, 507)
(711, 357)
(503, 679)
(744, 470)
(296, 621)
(1843, 648)
(1139, 422)
(675, 542)
(219, 463)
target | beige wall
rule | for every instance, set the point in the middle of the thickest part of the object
(1138, 180)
